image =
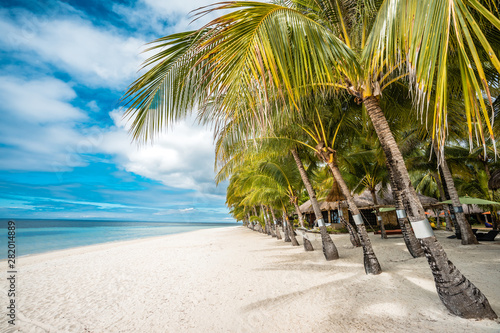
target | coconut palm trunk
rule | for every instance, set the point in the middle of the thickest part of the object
(307, 243)
(438, 221)
(299, 213)
(449, 206)
(456, 292)
(250, 224)
(329, 248)
(258, 226)
(291, 232)
(266, 220)
(353, 235)
(286, 232)
(372, 266)
(276, 228)
(442, 195)
(412, 243)
(447, 218)
(383, 234)
(465, 229)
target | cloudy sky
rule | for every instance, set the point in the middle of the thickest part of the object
(65, 150)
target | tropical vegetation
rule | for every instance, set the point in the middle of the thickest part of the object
(299, 74)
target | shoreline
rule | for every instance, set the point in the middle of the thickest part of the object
(232, 279)
(103, 246)
(108, 242)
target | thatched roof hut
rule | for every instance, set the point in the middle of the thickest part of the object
(306, 207)
(386, 198)
(363, 201)
(335, 194)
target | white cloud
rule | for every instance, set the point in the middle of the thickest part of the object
(38, 101)
(166, 17)
(183, 157)
(38, 125)
(95, 56)
(92, 105)
(172, 7)
(176, 211)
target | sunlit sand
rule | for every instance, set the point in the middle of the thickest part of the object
(236, 280)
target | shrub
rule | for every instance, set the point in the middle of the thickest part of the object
(330, 230)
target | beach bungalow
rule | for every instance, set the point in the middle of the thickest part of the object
(329, 208)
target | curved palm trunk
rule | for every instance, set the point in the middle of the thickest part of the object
(258, 226)
(447, 218)
(299, 214)
(353, 236)
(412, 243)
(278, 234)
(286, 231)
(250, 223)
(307, 243)
(372, 266)
(383, 234)
(442, 195)
(457, 293)
(329, 249)
(276, 228)
(291, 232)
(266, 220)
(465, 228)
(450, 206)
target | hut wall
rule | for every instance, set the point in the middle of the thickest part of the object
(335, 220)
(325, 216)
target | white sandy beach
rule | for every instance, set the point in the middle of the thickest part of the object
(235, 280)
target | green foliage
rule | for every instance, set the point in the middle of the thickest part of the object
(261, 68)
(336, 231)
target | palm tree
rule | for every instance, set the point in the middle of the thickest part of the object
(425, 174)
(330, 190)
(285, 173)
(329, 248)
(325, 152)
(278, 235)
(231, 149)
(240, 194)
(362, 134)
(471, 171)
(266, 181)
(367, 171)
(291, 49)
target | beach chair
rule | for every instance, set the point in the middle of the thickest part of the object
(487, 236)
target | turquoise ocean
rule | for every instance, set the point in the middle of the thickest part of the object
(38, 236)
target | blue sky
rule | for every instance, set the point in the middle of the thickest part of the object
(65, 150)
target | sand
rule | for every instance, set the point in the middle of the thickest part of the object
(236, 280)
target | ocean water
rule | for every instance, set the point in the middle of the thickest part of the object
(38, 236)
